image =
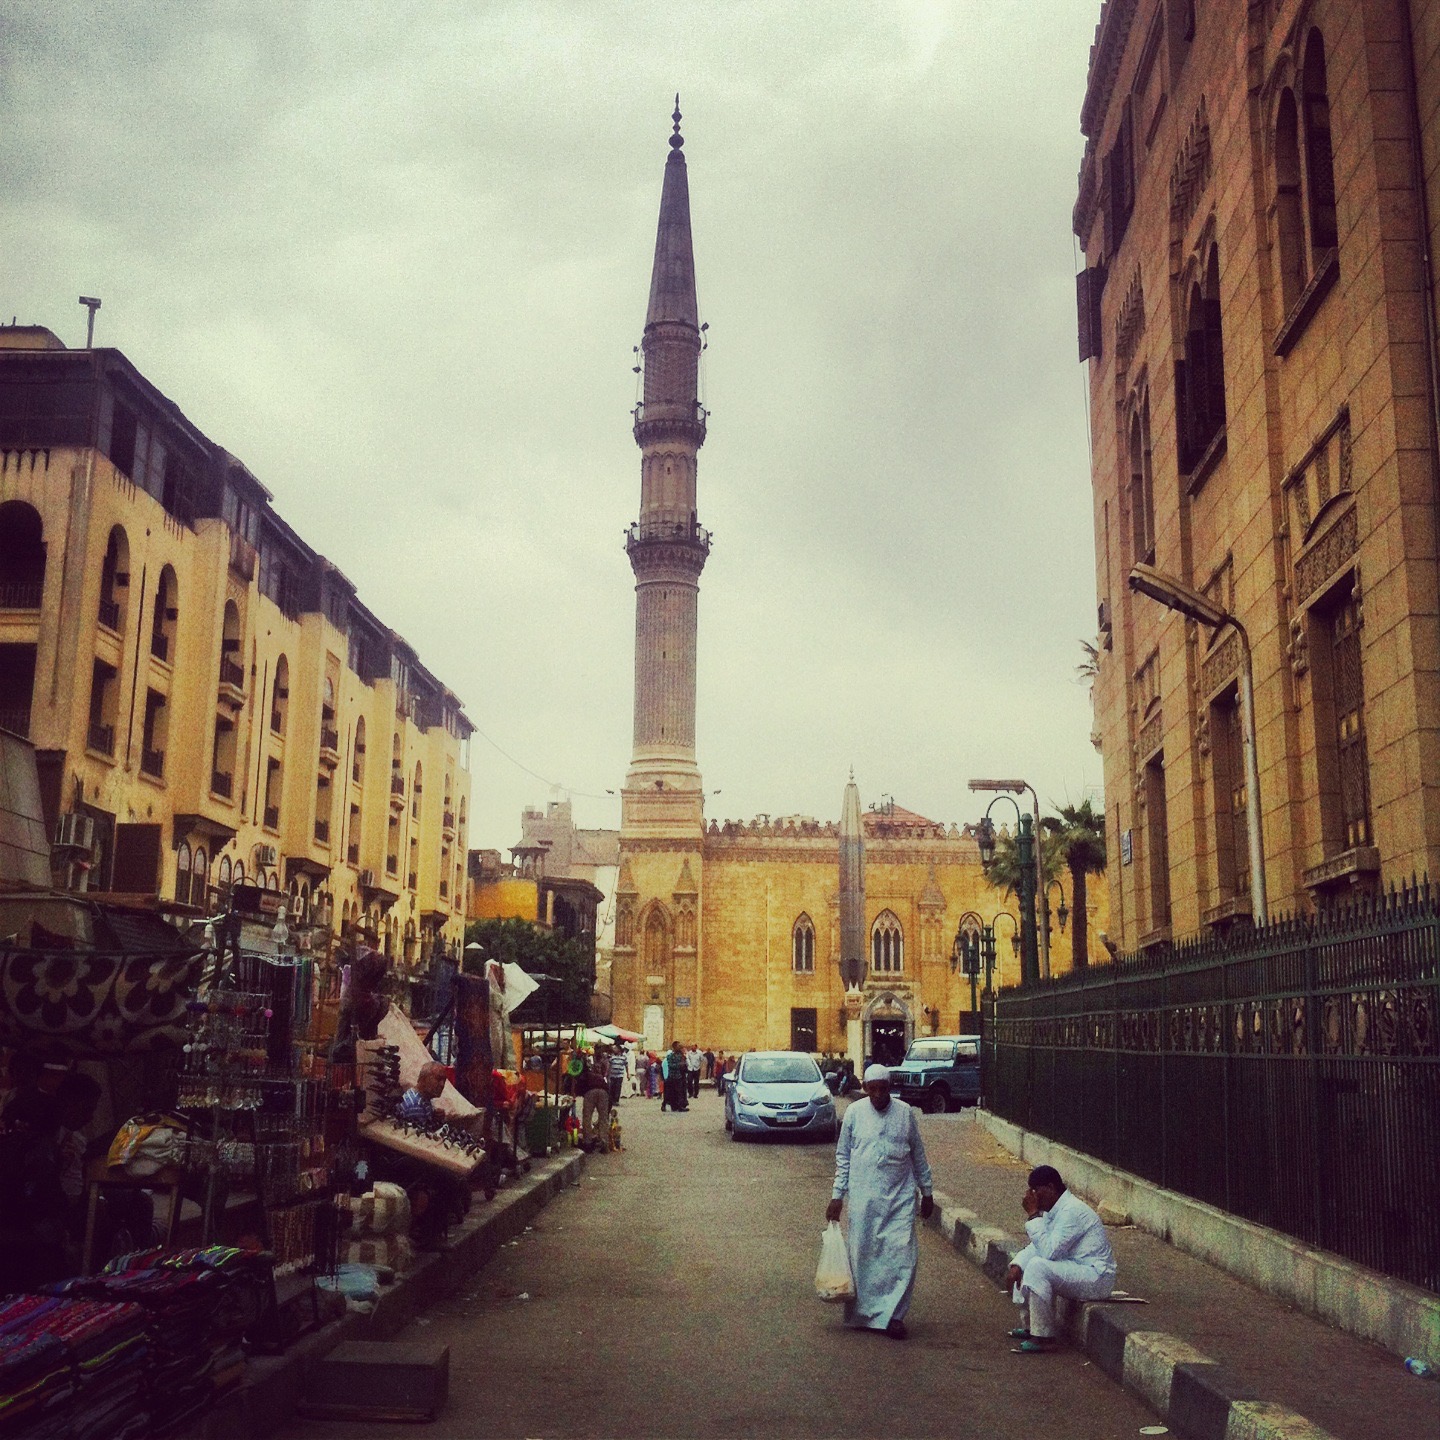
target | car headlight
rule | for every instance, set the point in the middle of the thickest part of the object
(745, 1097)
(821, 1092)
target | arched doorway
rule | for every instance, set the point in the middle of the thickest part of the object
(888, 1028)
(655, 944)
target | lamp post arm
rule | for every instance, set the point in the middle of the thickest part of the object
(1252, 779)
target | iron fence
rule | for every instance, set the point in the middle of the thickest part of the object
(1290, 1075)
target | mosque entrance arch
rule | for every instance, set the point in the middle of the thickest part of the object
(888, 1028)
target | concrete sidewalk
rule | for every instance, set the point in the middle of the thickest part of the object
(1267, 1357)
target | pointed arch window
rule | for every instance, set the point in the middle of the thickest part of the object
(803, 946)
(1319, 151)
(182, 874)
(1200, 376)
(887, 944)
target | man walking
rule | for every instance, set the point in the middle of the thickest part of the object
(692, 1072)
(674, 1072)
(880, 1163)
(1068, 1257)
(616, 1074)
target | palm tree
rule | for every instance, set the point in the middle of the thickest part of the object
(1003, 871)
(1078, 834)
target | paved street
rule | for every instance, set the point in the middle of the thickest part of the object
(671, 1295)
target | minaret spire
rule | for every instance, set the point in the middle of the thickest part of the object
(667, 545)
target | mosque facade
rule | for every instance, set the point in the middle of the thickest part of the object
(744, 935)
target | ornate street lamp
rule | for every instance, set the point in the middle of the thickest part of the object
(1026, 850)
(1019, 787)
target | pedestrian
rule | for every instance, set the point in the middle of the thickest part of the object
(709, 1071)
(692, 1072)
(1068, 1257)
(595, 1109)
(721, 1064)
(652, 1075)
(632, 1085)
(616, 1075)
(879, 1164)
(675, 1072)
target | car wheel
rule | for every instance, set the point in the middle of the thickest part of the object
(937, 1100)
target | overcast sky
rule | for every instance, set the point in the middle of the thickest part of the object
(395, 256)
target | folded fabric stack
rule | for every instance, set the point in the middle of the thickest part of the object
(379, 1231)
(195, 1311)
(73, 1369)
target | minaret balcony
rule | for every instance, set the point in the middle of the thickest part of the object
(689, 533)
(668, 421)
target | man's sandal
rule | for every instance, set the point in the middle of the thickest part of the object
(1036, 1345)
(1018, 1333)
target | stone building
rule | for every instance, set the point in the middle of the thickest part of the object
(1257, 210)
(210, 701)
(730, 935)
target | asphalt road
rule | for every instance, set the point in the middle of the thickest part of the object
(670, 1294)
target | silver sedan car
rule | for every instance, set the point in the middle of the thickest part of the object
(778, 1092)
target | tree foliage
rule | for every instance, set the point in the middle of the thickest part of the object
(537, 952)
(1078, 833)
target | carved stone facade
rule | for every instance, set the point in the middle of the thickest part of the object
(1292, 245)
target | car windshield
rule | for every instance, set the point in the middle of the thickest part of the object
(780, 1070)
(932, 1050)
(968, 1050)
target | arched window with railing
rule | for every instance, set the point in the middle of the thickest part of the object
(115, 581)
(22, 556)
(280, 697)
(167, 615)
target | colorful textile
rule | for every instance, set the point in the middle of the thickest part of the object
(96, 1002)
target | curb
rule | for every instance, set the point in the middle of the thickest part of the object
(1393, 1314)
(1198, 1398)
(272, 1387)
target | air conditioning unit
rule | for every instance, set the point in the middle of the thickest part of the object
(76, 832)
(265, 855)
(367, 879)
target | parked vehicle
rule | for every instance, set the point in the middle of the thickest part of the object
(939, 1072)
(777, 1092)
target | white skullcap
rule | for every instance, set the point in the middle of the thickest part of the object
(877, 1072)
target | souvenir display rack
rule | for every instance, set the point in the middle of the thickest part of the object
(265, 1116)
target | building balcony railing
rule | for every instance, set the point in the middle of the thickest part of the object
(16, 718)
(397, 785)
(160, 646)
(152, 763)
(352, 855)
(652, 532)
(222, 784)
(110, 613)
(21, 594)
(322, 831)
(414, 881)
(101, 738)
(329, 742)
(392, 865)
(231, 674)
(447, 822)
(272, 817)
(444, 889)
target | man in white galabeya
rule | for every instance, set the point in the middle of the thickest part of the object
(880, 1164)
(1068, 1257)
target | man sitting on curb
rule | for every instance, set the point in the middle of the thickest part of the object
(1068, 1257)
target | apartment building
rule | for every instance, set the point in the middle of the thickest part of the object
(1257, 210)
(210, 700)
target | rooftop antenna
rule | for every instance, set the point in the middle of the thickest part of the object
(91, 304)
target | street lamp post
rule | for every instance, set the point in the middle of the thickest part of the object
(965, 955)
(1019, 787)
(1176, 595)
(1025, 856)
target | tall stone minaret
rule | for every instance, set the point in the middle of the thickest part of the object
(667, 547)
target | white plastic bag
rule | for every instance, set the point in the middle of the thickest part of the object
(833, 1280)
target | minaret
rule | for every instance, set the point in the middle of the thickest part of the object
(852, 888)
(666, 545)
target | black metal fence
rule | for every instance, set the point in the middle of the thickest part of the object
(1290, 1075)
